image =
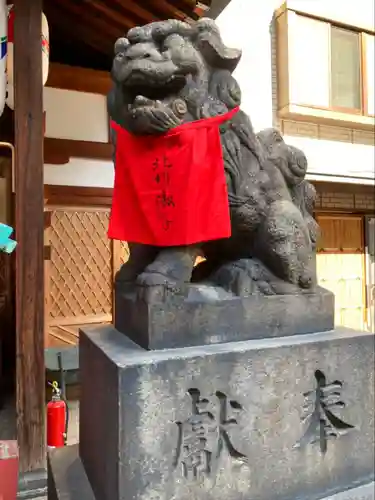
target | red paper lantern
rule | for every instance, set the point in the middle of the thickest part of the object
(44, 47)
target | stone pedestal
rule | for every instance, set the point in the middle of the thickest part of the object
(210, 316)
(282, 418)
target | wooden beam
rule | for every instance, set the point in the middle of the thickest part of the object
(144, 15)
(62, 23)
(62, 76)
(115, 17)
(59, 151)
(192, 9)
(193, 5)
(30, 378)
(76, 196)
(169, 11)
(95, 24)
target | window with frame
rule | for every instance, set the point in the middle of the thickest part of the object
(324, 66)
(345, 69)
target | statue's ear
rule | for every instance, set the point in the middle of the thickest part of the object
(211, 46)
(121, 45)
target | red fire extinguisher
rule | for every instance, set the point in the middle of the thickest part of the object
(57, 419)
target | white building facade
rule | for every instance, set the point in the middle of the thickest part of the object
(308, 69)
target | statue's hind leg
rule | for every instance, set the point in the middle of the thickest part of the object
(284, 245)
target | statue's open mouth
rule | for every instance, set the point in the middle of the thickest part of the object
(153, 88)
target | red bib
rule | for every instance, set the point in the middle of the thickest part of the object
(170, 189)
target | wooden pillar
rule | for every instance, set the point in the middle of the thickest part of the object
(29, 224)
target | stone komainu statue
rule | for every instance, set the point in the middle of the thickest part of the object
(170, 72)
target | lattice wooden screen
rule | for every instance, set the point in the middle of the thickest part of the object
(81, 266)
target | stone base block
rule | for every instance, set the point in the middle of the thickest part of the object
(364, 492)
(72, 484)
(68, 481)
(275, 419)
(67, 478)
(205, 317)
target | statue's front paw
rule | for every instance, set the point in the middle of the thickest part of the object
(148, 117)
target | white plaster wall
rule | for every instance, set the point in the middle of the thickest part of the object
(82, 172)
(246, 24)
(80, 116)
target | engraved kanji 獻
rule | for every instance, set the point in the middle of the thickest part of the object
(205, 434)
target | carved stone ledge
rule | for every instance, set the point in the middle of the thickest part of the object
(210, 316)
